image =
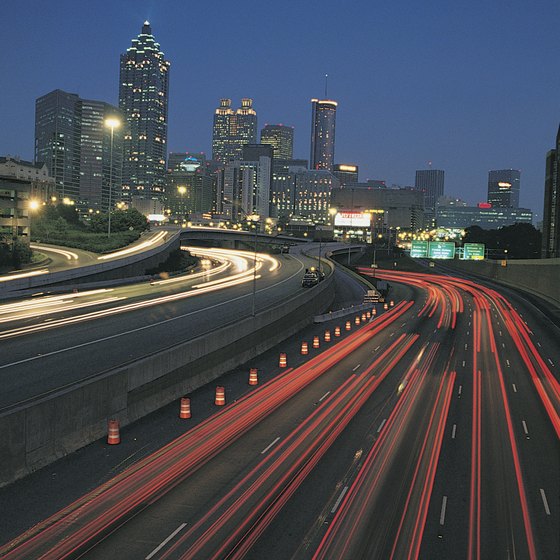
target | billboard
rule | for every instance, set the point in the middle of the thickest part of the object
(474, 251)
(419, 249)
(352, 219)
(441, 250)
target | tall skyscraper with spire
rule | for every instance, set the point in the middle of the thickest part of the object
(551, 212)
(323, 120)
(143, 98)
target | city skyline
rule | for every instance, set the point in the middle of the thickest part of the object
(467, 118)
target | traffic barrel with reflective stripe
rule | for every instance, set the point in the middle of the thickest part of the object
(185, 410)
(348, 326)
(363, 317)
(283, 360)
(357, 320)
(253, 376)
(368, 314)
(316, 342)
(391, 303)
(304, 348)
(337, 331)
(374, 312)
(113, 435)
(327, 336)
(220, 399)
(385, 306)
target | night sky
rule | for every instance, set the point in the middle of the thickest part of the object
(470, 85)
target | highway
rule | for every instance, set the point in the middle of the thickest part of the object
(48, 342)
(431, 431)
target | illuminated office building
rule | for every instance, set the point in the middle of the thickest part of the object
(72, 139)
(431, 182)
(503, 188)
(233, 129)
(313, 194)
(281, 138)
(143, 98)
(346, 173)
(323, 120)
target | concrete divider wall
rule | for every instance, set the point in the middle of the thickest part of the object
(38, 433)
(540, 277)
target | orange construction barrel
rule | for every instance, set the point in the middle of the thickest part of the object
(113, 435)
(283, 360)
(316, 342)
(327, 336)
(357, 320)
(220, 399)
(185, 411)
(337, 331)
(304, 348)
(253, 376)
(348, 326)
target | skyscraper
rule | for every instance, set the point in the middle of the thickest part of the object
(551, 212)
(57, 139)
(323, 120)
(71, 138)
(281, 138)
(143, 97)
(431, 183)
(233, 129)
(503, 188)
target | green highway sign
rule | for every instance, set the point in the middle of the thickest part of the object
(474, 251)
(419, 250)
(441, 250)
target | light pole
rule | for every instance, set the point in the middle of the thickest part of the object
(112, 123)
(33, 206)
(254, 218)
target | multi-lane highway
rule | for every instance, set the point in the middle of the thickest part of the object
(48, 341)
(430, 431)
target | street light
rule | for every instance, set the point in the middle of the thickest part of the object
(254, 218)
(112, 123)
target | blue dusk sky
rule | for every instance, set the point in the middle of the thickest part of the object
(469, 85)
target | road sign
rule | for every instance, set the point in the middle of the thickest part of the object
(419, 250)
(441, 250)
(474, 251)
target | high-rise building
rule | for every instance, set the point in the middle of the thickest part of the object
(143, 98)
(189, 184)
(72, 139)
(551, 212)
(281, 138)
(431, 183)
(57, 139)
(503, 188)
(313, 194)
(346, 173)
(283, 186)
(323, 120)
(233, 129)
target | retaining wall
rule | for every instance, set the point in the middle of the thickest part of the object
(38, 433)
(540, 277)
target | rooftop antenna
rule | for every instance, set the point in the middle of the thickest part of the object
(326, 85)
(430, 164)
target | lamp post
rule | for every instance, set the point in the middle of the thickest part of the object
(254, 218)
(112, 123)
(33, 205)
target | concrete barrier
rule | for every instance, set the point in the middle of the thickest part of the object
(536, 276)
(39, 432)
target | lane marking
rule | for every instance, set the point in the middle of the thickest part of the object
(539, 344)
(500, 333)
(550, 361)
(339, 499)
(356, 367)
(503, 345)
(508, 364)
(514, 387)
(463, 363)
(392, 334)
(325, 396)
(270, 445)
(377, 348)
(460, 390)
(545, 502)
(381, 425)
(403, 324)
(443, 508)
(466, 346)
(160, 546)
(468, 332)
(525, 427)
(454, 431)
